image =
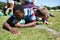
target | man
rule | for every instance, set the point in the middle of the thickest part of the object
(39, 12)
(15, 21)
(8, 8)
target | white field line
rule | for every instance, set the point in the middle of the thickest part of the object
(48, 29)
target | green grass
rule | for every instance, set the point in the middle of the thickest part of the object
(32, 33)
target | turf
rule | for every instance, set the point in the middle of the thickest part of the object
(32, 33)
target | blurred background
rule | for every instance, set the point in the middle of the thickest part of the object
(50, 4)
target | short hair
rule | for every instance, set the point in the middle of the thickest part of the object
(18, 7)
(42, 12)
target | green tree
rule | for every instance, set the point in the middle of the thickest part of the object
(47, 7)
(2, 4)
(58, 7)
(54, 8)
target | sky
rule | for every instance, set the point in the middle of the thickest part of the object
(50, 3)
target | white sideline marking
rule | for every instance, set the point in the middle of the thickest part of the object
(48, 29)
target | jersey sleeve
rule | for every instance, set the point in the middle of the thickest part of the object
(9, 21)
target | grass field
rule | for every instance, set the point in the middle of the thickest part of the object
(32, 33)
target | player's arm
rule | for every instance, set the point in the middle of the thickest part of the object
(6, 25)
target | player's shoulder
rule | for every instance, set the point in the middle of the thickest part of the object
(12, 17)
(28, 10)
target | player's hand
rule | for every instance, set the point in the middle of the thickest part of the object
(14, 31)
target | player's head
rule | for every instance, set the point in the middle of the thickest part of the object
(18, 11)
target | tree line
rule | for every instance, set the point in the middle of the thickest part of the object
(54, 8)
(2, 4)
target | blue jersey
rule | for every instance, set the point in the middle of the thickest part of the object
(29, 15)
